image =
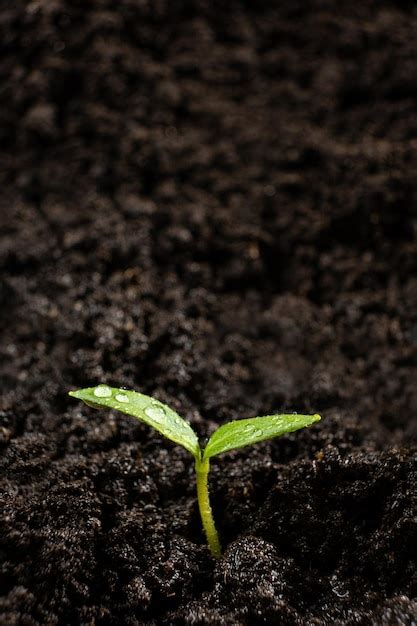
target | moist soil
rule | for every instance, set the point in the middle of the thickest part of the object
(213, 203)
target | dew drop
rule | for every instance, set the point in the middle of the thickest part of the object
(156, 413)
(179, 422)
(121, 397)
(102, 391)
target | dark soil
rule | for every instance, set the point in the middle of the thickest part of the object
(215, 203)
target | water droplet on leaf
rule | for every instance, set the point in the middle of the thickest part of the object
(156, 413)
(121, 397)
(102, 391)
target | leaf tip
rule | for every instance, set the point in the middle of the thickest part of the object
(76, 393)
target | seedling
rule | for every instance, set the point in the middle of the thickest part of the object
(230, 436)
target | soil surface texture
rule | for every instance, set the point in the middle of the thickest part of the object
(213, 203)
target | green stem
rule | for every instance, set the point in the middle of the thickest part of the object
(202, 469)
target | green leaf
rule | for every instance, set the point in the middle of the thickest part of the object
(244, 432)
(147, 409)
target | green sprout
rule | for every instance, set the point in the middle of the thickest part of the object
(230, 436)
